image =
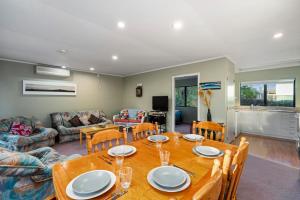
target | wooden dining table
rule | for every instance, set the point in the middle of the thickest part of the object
(145, 159)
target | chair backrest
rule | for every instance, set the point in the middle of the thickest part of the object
(225, 173)
(144, 129)
(211, 190)
(100, 138)
(212, 130)
(238, 163)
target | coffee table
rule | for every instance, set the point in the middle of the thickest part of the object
(89, 131)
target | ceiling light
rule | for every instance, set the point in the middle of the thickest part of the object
(121, 24)
(92, 68)
(62, 51)
(64, 67)
(177, 25)
(114, 57)
(277, 35)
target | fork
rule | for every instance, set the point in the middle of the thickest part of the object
(115, 195)
(105, 160)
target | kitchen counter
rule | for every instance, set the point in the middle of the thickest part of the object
(268, 109)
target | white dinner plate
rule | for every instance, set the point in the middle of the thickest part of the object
(168, 176)
(166, 189)
(156, 138)
(90, 182)
(193, 137)
(204, 156)
(126, 150)
(73, 195)
(207, 150)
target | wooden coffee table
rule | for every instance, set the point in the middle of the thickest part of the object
(89, 131)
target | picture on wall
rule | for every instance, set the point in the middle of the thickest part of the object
(49, 87)
(211, 85)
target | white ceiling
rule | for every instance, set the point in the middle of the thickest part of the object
(33, 31)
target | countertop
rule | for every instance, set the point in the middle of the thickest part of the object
(267, 109)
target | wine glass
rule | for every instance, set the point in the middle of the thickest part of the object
(119, 160)
(125, 174)
(158, 144)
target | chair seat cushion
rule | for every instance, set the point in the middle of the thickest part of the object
(121, 120)
(134, 121)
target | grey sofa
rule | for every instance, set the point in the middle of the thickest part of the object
(66, 133)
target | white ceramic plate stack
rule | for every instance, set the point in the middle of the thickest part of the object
(125, 150)
(193, 137)
(168, 179)
(91, 184)
(207, 151)
(158, 138)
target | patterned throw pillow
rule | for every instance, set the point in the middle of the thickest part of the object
(5, 125)
(124, 114)
(85, 120)
(18, 128)
(139, 115)
(75, 121)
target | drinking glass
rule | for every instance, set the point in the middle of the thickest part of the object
(119, 160)
(158, 144)
(199, 142)
(176, 137)
(164, 157)
(125, 174)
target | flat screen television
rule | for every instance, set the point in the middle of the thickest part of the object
(160, 103)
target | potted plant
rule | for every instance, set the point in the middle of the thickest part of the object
(206, 95)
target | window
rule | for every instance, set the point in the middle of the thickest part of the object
(186, 96)
(268, 93)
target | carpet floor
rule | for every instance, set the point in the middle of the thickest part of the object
(261, 179)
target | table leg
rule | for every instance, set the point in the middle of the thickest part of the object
(80, 137)
(88, 143)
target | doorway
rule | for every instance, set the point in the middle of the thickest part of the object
(185, 102)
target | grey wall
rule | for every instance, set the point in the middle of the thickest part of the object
(104, 92)
(270, 74)
(158, 83)
(189, 114)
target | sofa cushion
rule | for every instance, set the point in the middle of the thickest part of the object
(93, 119)
(84, 120)
(18, 164)
(5, 125)
(19, 128)
(75, 121)
(124, 114)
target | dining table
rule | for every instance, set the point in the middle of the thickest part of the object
(145, 159)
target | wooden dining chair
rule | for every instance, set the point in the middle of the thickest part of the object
(144, 129)
(212, 189)
(99, 139)
(212, 130)
(225, 173)
(238, 163)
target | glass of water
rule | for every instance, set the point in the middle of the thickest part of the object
(164, 157)
(158, 144)
(119, 160)
(125, 174)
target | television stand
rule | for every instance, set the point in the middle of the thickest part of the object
(160, 117)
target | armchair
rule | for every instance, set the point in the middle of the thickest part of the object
(129, 117)
(28, 175)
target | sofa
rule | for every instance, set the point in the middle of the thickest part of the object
(40, 136)
(129, 117)
(67, 132)
(28, 175)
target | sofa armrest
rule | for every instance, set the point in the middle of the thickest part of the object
(40, 152)
(115, 117)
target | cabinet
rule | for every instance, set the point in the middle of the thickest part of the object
(268, 123)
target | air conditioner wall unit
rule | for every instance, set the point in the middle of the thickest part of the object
(50, 71)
